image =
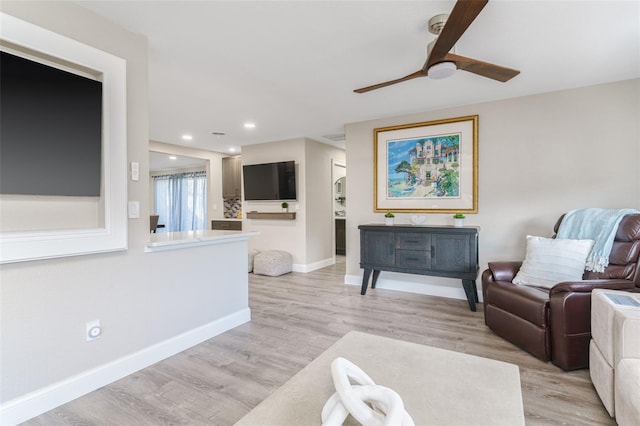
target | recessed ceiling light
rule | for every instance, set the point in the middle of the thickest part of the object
(249, 125)
(232, 149)
(187, 137)
(173, 157)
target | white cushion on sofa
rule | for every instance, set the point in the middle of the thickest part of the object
(550, 261)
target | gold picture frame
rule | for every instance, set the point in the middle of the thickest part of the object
(429, 167)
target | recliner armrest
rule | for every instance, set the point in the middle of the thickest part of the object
(586, 286)
(504, 271)
(570, 318)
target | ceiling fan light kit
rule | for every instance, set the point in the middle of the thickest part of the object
(441, 70)
(441, 61)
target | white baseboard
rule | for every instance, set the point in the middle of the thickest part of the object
(42, 400)
(298, 267)
(419, 284)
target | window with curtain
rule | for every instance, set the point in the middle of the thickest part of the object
(181, 201)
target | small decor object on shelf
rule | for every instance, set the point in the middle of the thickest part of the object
(285, 207)
(388, 218)
(458, 220)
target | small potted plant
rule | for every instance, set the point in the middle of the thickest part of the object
(388, 218)
(285, 207)
(458, 220)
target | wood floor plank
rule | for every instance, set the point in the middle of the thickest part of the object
(295, 318)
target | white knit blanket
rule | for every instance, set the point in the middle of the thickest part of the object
(595, 224)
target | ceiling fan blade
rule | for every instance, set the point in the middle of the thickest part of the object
(463, 14)
(485, 69)
(416, 74)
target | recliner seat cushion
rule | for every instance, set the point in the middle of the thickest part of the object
(529, 303)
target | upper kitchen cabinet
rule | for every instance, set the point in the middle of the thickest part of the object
(231, 180)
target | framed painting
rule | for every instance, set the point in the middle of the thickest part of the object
(429, 167)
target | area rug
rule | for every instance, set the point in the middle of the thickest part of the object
(437, 386)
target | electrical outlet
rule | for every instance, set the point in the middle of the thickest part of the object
(94, 331)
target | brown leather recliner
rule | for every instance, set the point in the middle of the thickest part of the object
(555, 324)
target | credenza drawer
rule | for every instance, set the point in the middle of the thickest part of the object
(413, 241)
(418, 259)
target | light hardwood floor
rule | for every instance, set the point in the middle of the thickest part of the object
(295, 318)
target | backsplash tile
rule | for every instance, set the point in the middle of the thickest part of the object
(231, 207)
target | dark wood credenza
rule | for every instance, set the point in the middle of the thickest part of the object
(443, 251)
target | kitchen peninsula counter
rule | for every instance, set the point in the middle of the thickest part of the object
(178, 240)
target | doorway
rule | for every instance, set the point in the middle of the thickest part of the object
(339, 202)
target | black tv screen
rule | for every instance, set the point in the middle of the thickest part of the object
(50, 130)
(271, 181)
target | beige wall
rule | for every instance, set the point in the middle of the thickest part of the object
(539, 156)
(142, 299)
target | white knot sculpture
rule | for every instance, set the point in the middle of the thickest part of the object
(368, 403)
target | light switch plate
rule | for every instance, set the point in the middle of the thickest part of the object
(134, 210)
(135, 171)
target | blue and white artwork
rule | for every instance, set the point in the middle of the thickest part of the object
(424, 167)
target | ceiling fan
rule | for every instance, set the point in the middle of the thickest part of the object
(441, 63)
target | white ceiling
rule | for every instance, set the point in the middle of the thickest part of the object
(291, 67)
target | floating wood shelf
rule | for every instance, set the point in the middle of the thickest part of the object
(271, 216)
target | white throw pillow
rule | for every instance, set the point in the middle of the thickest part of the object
(550, 261)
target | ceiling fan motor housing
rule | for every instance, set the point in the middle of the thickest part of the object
(442, 69)
(436, 24)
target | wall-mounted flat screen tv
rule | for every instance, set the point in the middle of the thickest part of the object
(51, 132)
(271, 181)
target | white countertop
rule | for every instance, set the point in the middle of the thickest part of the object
(176, 240)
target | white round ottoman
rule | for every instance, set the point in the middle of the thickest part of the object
(272, 263)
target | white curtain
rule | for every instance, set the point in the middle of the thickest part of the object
(181, 201)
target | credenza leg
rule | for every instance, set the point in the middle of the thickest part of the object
(471, 291)
(365, 281)
(376, 273)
